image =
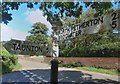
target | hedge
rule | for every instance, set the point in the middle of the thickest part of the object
(104, 50)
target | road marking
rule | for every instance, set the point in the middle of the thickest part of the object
(39, 78)
(73, 81)
(27, 71)
(34, 75)
(39, 82)
(31, 73)
(23, 72)
(27, 74)
(42, 79)
(31, 79)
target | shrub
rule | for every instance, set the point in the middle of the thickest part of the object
(64, 52)
(74, 52)
(105, 44)
(108, 49)
(8, 61)
(71, 65)
(104, 50)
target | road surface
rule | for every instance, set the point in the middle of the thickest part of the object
(35, 72)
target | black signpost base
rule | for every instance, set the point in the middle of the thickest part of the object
(54, 71)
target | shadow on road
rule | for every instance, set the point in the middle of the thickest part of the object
(43, 76)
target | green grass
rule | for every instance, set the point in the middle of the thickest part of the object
(100, 70)
(93, 69)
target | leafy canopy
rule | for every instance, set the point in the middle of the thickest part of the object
(54, 10)
(38, 34)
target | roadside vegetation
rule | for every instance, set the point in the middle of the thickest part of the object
(101, 44)
(93, 69)
(95, 45)
(9, 62)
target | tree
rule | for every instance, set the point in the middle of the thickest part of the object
(38, 34)
(60, 9)
(96, 44)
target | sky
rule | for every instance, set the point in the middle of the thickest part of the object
(22, 22)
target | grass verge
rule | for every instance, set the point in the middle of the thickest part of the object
(100, 70)
(93, 69)
(17, 67)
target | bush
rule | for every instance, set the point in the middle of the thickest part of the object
(8, 61)
(104, 44)
(73, 52)
(104, 50)
(71, 65)
(64, 52)
(108, 49)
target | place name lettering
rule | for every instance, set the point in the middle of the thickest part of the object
(78, 29)
(24, 46)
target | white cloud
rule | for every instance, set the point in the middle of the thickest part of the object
(37, 16)
(8, 33)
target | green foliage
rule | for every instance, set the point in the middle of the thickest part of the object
(70, 9)
(64, 52)
(8, 61)
(4, 52)
(6, 6)
(38, 28)
(71, 65)
(115, 45)
(94, 45)
(88, 68)
(38, 34)
(38, 38)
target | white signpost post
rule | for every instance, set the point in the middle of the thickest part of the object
(55, 46)
(55, 50)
